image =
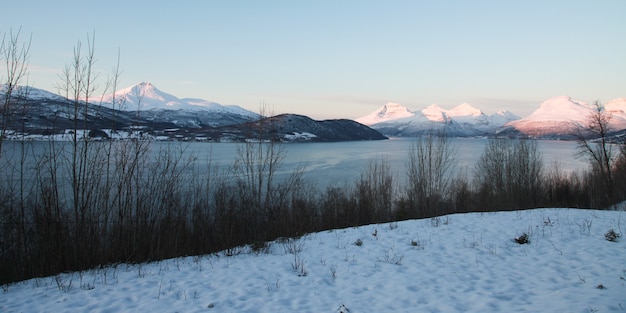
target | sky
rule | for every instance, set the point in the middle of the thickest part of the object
(338, 59)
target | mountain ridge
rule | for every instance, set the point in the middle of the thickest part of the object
(563, 117)
(464, 120)
(40, 115)
(146, 96)
(559, 117)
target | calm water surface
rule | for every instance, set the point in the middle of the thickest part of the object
(339, 163)
(342, 162)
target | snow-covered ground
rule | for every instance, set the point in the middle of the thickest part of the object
(455, 263)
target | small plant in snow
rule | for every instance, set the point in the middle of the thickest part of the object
(343, 309)
(232, 251)
(523, 239)
(417, 244)
(258, 247)
(298, 266)
(548, 222)
(272, 286)
(333, 271)
(471, 244)
(5, 287)
(391, 257)
(358, 242)
(64, 284)
(585, 227)
(611, 235)
(293, 245)
(435, 221)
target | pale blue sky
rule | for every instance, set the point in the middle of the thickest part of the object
(341, 59)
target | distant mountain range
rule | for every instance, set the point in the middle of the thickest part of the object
(143, 111)
(556, 118)
(462, 121)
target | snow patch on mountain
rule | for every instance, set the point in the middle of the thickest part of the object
(304, 136)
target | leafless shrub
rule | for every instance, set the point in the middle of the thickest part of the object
(375, 193)
(64, 282)
(391, 257)
(293, 245)
(429, 177)
(299, 266)
(333, 271)
(508, 174)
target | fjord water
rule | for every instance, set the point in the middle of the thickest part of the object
(323, 164)
(338, 163)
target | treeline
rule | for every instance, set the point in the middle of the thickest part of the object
(100, 203)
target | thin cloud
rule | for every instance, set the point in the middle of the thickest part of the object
(359, 100)
(43, 69)
(520, 107)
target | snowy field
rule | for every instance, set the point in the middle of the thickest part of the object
(455, 263)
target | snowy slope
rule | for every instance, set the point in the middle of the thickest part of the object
(389, 111)
(145, 96)
(617, 109)
(617, 106)
(456, 263)
(560, 109)
(563, 116)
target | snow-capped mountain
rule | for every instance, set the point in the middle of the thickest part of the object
(617, 109)
(563, 117)
(463, 120)
(389, 111)
(187, 112)
(41, 115)
(145, 96)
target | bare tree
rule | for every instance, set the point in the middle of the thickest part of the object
(594, 145)
(374, 193)
(430, 166)
(508, 174)
(255, 168)
(14, 54)
(14, 241)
